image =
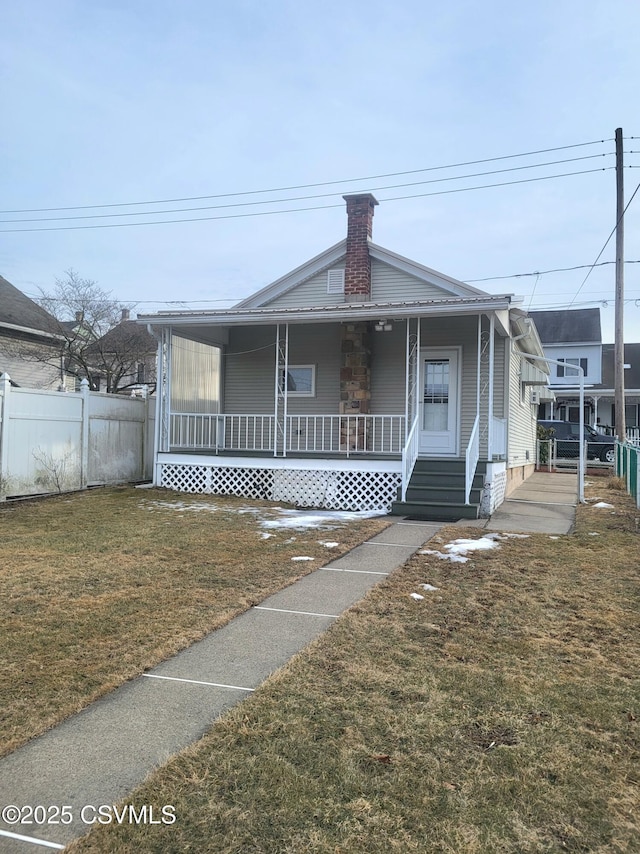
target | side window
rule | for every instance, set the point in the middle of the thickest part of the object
(301, 380)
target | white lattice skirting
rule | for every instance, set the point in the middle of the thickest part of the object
(329, 490)
(493, 494)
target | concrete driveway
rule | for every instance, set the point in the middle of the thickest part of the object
(545, 503)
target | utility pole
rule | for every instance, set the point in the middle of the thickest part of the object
(618, 365)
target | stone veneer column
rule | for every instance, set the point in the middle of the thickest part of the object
(355, 384)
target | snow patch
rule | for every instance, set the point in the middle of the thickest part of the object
(429, 587)
(464, 546)
(328, 544)
(416, 596)
(304, 520)
(603, 505)
(594, 534)
(303, 557)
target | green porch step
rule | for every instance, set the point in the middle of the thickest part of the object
(437, 491)
(438, 511)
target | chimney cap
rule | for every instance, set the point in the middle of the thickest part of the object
(361, 197)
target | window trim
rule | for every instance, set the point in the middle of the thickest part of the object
(572, 362)
(312, 392)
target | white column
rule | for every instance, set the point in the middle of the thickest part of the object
(84, 442)
(492, 330)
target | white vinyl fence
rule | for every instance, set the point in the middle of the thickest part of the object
(55, 442)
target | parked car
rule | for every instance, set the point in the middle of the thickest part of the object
(567, 435)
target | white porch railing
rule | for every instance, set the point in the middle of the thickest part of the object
(472, 455)
(410, 455)
(348, 434)
(198, 431)
(308, 434)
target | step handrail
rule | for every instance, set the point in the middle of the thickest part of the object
(472, 455)
(410, 455)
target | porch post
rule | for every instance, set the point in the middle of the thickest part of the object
(411, 374)
(163, 429)
(479, 362)
(281, 397)
(492, 327)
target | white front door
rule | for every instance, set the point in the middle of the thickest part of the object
(439, 405)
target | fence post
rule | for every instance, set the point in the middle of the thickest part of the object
(84, 443)
(5, 388)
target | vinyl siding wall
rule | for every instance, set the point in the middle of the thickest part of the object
(388, 284)
(249, 375)
(522, 418)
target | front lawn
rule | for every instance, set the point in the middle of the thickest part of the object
(98, 586)
(495, 715)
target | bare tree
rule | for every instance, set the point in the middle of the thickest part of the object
(95, 338)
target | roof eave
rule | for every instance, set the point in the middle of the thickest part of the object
(326, 314)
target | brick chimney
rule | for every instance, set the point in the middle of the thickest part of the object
(357, 272)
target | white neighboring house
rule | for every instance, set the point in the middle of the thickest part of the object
(360, 380)
(575, 337)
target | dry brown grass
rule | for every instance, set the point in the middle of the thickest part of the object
(98, 586)
(499, 714)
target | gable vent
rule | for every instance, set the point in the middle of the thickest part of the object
(335, 281)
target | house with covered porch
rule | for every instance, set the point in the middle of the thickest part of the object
(361, 380)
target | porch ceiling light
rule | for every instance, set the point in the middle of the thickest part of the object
(383, 326)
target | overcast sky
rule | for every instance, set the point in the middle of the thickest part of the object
(107, 102)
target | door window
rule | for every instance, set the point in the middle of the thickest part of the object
(435, 415)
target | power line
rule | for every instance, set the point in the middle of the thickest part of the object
(613, 231)
(297, 210)
(545, 272)
(310, 186)
(236, 298)
(308, 197)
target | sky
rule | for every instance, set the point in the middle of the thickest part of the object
(114, 102)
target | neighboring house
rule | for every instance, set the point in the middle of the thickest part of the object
(125, 358)
(29, 347)
(575, 338)
(361, 380)
(603, 394)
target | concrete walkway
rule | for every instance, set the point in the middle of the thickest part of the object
(545, 503)
(101, 754)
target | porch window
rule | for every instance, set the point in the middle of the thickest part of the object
(301, 380)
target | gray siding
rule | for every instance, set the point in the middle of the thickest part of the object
(388, 284)
(249, 375)
(309, 293)
(388, 370)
